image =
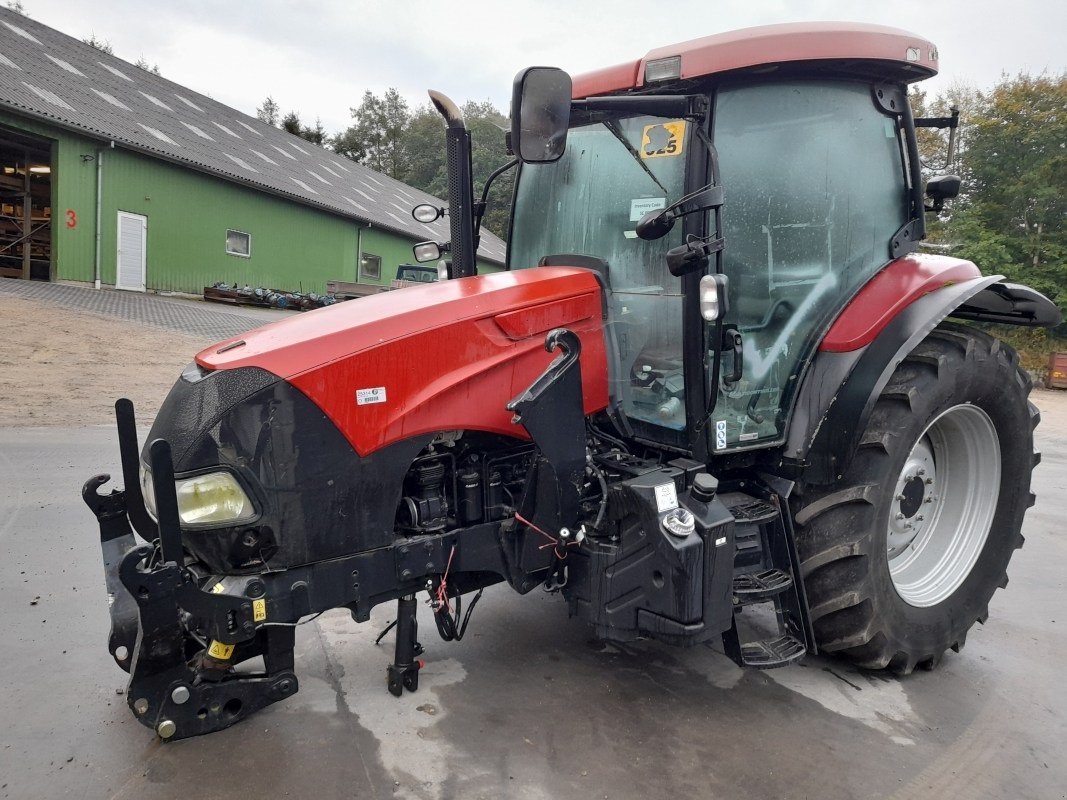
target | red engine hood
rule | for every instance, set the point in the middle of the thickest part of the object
(445, 356)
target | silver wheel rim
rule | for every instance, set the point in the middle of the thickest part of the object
(943, 505)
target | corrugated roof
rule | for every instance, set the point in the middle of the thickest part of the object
(49, 75)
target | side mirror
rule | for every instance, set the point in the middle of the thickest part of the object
(540, 114)
(694, 255)
(942, 188)
(654, 225)
(714, 296)
(657, 224)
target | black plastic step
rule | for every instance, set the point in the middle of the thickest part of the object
(758, 587)
(772, 653)
(753, 511)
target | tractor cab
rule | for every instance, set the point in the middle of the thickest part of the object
(815, 189)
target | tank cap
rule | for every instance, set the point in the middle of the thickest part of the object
(704, 487)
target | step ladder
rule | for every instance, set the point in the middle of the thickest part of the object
(765, 566)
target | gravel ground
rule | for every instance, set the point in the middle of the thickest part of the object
(64, 367)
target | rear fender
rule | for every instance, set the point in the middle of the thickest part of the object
(842, 386)
(1011, 304)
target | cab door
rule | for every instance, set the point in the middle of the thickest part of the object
(814, 190)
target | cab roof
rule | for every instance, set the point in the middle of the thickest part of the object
(904, 56)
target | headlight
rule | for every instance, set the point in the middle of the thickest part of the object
(216, 497)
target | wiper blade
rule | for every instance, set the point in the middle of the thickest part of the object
(616, 131)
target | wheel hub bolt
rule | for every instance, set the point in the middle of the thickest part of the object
(929, 481)
(921, 472)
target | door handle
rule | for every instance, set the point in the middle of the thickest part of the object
(731, 341)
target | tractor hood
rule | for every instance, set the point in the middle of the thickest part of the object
(445, 356)
(292, 346)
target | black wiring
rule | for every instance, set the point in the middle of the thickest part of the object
(448, 623)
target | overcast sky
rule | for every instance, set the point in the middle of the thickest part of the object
(318, 56)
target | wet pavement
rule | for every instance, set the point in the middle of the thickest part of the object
(526, 706)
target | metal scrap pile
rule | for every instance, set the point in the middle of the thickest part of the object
(221, 292)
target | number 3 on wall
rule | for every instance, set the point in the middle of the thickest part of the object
(72, 218)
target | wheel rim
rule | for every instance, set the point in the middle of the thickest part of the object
(943, 505)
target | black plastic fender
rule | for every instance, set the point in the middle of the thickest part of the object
(840, 389)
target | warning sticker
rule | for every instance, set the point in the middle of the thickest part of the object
(218, 588)
(220, 651)
(663, 139)
(365, 397)
(259, 609)
(666, 497)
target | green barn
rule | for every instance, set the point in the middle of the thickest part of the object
(112, 175)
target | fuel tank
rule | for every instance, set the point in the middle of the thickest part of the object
(319, 416)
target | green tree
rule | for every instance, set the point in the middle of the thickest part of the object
(142, 62)
(100, 44)
(268, 112)
(487, 126)
(291, 123)
(377, 136)
(1012, 218)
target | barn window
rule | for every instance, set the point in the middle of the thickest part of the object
(370, 267)
(238, 243)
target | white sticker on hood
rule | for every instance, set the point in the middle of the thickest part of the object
(365, 397)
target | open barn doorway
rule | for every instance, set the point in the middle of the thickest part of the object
(25, 206)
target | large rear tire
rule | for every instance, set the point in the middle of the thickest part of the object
(902, 554)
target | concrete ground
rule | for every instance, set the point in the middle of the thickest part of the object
(526, 706)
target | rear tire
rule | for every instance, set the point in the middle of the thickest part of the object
(895, 572)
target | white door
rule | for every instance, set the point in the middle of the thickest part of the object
(130, 265)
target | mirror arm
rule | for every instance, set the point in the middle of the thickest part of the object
(482, 204)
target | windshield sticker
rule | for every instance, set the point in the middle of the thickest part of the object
(663, 139)
(642, 205)
(720, 434)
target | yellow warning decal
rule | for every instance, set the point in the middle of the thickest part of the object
(218, 588)
(259, 609)
(663, 139)
(220, 651)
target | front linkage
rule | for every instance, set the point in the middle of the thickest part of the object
(177, 640)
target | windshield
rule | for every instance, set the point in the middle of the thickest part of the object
(588, 203)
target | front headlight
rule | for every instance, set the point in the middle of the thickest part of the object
(216, 497)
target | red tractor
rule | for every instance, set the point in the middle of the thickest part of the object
(758, 399)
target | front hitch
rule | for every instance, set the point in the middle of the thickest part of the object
(178, 642)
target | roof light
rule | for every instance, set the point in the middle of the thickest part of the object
(663, 69)
(41, 169)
